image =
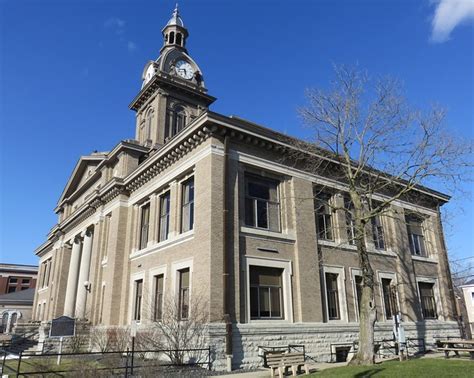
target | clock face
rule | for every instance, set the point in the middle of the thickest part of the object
(184, 69)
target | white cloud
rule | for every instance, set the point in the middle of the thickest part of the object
(116, 24)
(131, 46)
(448, 15)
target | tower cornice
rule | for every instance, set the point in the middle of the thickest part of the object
(164, 80)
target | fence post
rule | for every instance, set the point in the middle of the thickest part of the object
(126, 365)
(19, 365)
(209, 358)
(133, 351)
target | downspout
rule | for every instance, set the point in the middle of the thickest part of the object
(225, 274)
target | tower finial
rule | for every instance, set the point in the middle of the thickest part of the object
(176, 18)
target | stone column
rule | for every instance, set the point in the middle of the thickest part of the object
(84, 275)
(71, 287)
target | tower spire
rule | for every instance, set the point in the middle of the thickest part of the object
(174, 32)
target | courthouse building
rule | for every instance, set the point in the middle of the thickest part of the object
(202, 204)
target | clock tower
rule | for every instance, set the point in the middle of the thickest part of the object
(173, 91)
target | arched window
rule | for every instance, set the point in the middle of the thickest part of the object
(3, 327)
(176, 121)
(171, 38)
(166, 37)
(178, 38)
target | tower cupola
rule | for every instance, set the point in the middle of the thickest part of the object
(174, 33)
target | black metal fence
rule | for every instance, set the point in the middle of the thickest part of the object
(126, 362)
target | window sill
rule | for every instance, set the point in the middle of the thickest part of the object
(351, 247)
(43, 289)
(270, 234)
(155, 247)
(424, 259)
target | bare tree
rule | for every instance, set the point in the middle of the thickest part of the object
(366, 136)
(179, 328)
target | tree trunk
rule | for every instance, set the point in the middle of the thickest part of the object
(367, 310)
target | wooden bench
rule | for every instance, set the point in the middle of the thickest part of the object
(283, 361)
(446, 351)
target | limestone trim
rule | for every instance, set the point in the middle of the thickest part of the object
(131, 306)
(159, 246)
(175, 268)
(285, 236)
(151, 279)
(439, 306)
(341, 279)
(355, 272)
(431, 260)
(286, 265)
(319, 180)
(391, 276)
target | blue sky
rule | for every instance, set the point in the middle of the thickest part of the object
(68, 70)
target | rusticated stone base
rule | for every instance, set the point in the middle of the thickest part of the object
(316, 337)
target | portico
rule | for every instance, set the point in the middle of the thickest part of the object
(77, 282)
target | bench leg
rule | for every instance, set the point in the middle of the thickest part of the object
(472, 355)
(272, 371)
(446, 354)
(280, 372)
(306, 369)
(457, 353)
(294, 370)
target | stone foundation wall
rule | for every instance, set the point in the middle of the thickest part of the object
(316, 337)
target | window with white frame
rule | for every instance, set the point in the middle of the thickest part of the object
(164, 216)
(158, 297)
(266, 293)
(262, 204)
(138, 296)
(332, 296)
(378, 235)
(324, 216)
(415, 235)
(335, 306)
(144, 225)
(187, 205)
(427, 300)
(389, 296)
(183, 293)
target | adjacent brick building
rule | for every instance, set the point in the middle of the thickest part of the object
(201, 204)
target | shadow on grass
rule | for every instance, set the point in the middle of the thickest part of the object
(368, 373)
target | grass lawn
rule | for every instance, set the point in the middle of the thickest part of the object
(426, 367)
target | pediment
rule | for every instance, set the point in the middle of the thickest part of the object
(83, 170)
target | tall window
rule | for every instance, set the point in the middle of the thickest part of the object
(176, 121)
(427, 298)
(138, 300)
(266, 294)
(46, 271)
(377, 232)
(332, 296)
(350, 223)
(187, 207)
(164, 216)
(144, 225)
(388, 298)
(183, 293)
(323, 217)
(158, 300)
(358, 293)
(415, 235)
(148, 123)
(262, 206)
